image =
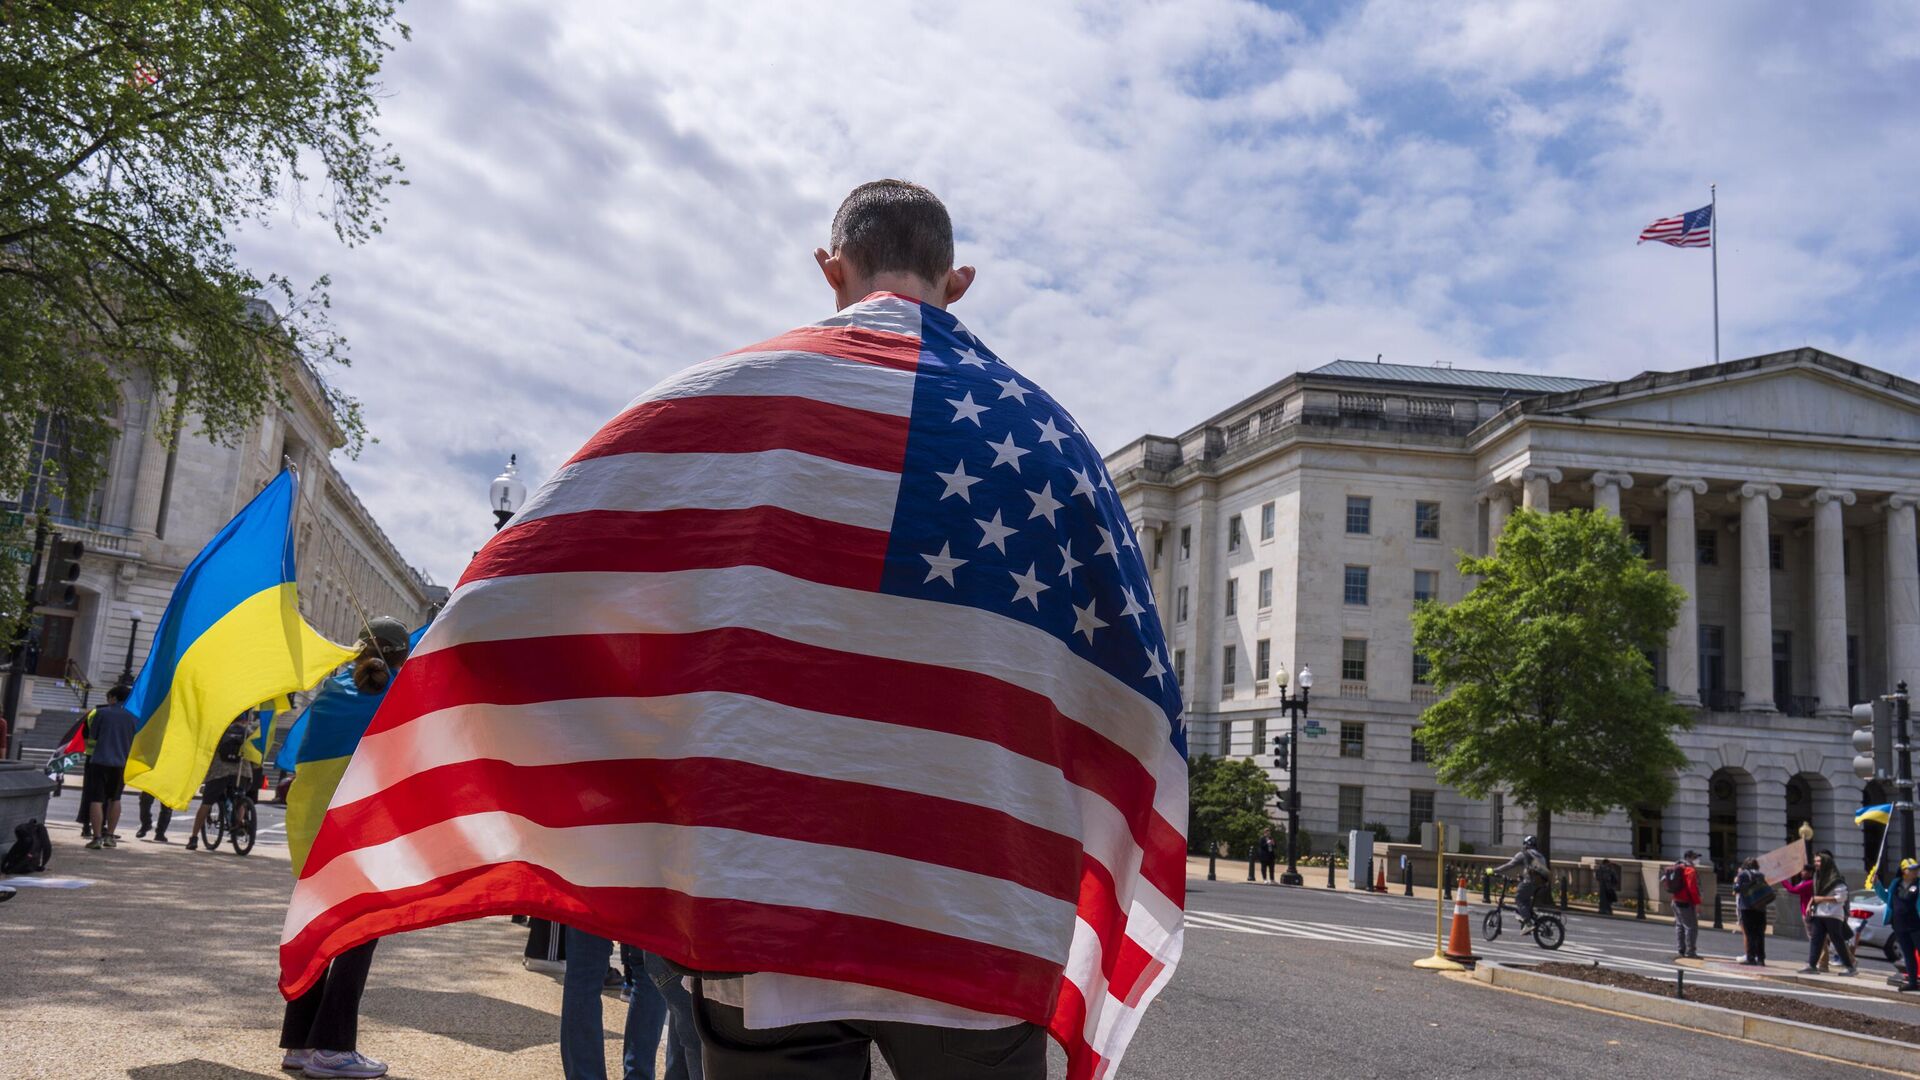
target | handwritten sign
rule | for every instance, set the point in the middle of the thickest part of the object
(1783, 862)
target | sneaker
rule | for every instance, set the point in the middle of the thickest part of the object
(295, 1060)
(159, 839)
(193, 843)
(1808, 971)
(94, 845)
(545, 966)
(343, 1063)
(1849, 972)
(112, 840)
(1908, 988)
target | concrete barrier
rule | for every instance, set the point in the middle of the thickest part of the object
(24, 790)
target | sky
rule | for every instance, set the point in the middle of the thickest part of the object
(1171, 206)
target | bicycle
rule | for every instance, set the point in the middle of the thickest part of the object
(232, 817)
(1547, 929)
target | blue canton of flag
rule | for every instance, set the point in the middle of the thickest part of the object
(1006, 507)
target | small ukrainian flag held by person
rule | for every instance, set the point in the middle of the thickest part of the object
(232, 637)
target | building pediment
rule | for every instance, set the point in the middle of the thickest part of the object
(1805, 391)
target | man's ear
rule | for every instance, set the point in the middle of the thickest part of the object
(959, 280)
(832, 267)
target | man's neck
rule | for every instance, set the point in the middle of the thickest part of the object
(910, 286)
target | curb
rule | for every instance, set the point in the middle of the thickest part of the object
(1784, 1034)
(1862, 985)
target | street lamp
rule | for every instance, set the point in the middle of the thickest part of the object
(126, 670)
(507, 493)
(1295, 707)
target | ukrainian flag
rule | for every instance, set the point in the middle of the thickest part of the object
(332, 726)
(1882, 814)
(232, 637)
(256, 748)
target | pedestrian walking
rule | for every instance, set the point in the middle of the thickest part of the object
(1827, 915)
(1606, 877)
(111, 727)
(1902, 913)
(582, 1016)
(1267, 852)
(1681, 881)
(1801, 886)
(1752, 895)
(149, 822)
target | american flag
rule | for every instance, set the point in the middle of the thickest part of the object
(835, 658)
(1691, 229)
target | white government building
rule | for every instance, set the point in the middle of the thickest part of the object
(157, 508)
(1779, 491)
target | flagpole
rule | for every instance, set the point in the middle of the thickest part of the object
(1713, 244)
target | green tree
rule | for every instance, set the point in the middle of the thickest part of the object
(134, 135)
(1548, 690)
(1227, 800)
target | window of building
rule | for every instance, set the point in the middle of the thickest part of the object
(1233, 532)
(1647, 841)
(1642, 537)
(1706, 547)
(1262, 659)
(1186, 542)
(1266, 521)
(1419, 753)
(1259, 735)
(1353, 739)
(1229, 660)
(1180, 604)
(1713, 660)
(1426, 521)
(51, 459)
(1419, 812)
(1180, 666)
(1776, 552)
(1233, 597)
(1359, 515)
(1266, 589)
(1356, 585)
(1353, 808)
(1353, 659)
(1225, 737)
(1426, 585)
(1159, 542)
(1782, 664)
(1422, 668)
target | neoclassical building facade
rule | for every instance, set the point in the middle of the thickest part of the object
(1301, 525)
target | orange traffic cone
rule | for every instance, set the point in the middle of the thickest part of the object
(1460, 937)
(1381, 884)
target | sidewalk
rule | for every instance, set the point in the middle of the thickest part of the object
(162, 967)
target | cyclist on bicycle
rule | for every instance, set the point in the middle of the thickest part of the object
(1536, 874)
(222, 776)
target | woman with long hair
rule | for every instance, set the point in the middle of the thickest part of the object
(1751, 896)
(1827, 915)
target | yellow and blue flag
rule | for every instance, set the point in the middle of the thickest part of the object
(232, 637)
(256, 749)
(1882, 814)
(332, 725)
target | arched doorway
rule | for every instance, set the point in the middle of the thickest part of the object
(1809, 800)
(1729, 795)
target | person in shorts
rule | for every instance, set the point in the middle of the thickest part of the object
(222, 776)
(111, 727)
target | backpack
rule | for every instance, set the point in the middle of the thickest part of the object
(230, 743)
(32, 849)
(1672, 879)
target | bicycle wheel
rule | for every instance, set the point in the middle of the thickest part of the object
(244, 827)
(1548, 932)
(215, 828)
(1490, 925)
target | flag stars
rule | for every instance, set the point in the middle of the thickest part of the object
(942, 565)
(1044, 504)
(970, 358)
(1133, 609)
(1106, 544)
(1155, 669)
(1068, 564)
(1085, 621)
(965, 409)
(1007, 452)
(1082, 484)
(958, 483)
(1049, 434)
(994, 533)
(1011, 388)
(1028, 587)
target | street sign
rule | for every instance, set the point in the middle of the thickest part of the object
(12, 518)
(1313, 730)
(20, 555)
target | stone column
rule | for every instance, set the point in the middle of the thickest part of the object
(1683, 641)
(1683, 822)
(1756, 598)
(1536, 480)
(149, 475)
(1829, 601)
(1769, 817)
(1499, 502)
(1903, 592)
(1607, 487)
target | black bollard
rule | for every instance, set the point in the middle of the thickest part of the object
(1719, 916)
(1210, 856)
(1680, 983)
(1329, 869)
(1565, 885)
(1446, 883)
(1255, 847)
(1486, 887)
(1366, 883)
(1640, 903)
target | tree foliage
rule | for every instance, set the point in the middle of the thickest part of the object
(134, 136)
(1227, 801)
(1548, 690)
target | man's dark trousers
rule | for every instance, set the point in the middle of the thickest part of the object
(146, 816)
(327, 1016)
(842, 1049)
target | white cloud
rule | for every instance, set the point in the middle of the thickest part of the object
(1169, 204)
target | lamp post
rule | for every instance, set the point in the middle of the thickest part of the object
(1295, 706)
(507, 493)
(126, 670)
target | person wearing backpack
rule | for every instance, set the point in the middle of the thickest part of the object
(1751, 897)
(222, 775)
(1681, 882)
(1536, 874)
(1902, 897)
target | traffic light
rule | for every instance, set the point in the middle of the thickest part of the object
(1873, 739)
(62, 571)
(1282, 747)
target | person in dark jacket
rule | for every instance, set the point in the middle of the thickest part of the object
(1903, 914)
(1750, 900)
(1607, 877)
(1267, 850)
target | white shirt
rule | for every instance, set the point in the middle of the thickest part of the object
(771, 1000)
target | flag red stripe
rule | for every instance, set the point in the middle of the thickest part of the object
(880, 347)
(662, 541)
(712, 793)
(1068, 1026)
(732, 935)
(803, 676)
(723, 424)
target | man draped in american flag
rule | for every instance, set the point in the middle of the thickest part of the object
(829, 671)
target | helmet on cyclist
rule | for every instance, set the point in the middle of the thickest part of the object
(1528, 841)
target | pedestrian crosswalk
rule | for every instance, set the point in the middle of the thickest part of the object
(1386, 937)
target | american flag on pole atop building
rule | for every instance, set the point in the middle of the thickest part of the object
(833, 658)
(1691, 229)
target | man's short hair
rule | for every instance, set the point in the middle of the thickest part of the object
(893, 226)
(119, 692)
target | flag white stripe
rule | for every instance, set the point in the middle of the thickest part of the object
(851, 383)
(851, 620)
(815, 486)
(703, 862)
(888, 314)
